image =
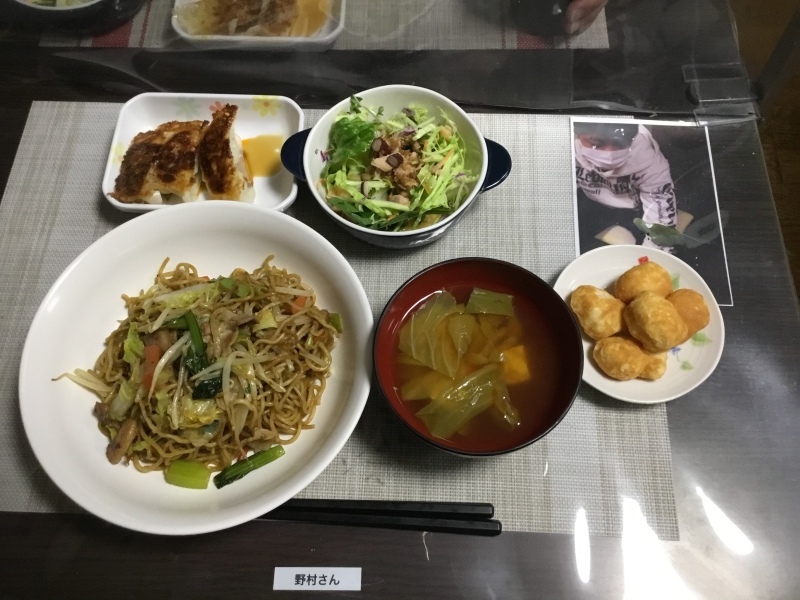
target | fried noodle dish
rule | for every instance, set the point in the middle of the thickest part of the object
(204, 371)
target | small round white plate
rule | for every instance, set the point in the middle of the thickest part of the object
(84, 306)
(688, 365)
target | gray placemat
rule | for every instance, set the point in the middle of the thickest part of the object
(373, 25)
(601, 454)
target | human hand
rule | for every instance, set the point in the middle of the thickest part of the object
(581, 14)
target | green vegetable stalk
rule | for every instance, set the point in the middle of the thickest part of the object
(239, 469)
(188, 474)
(196, 361)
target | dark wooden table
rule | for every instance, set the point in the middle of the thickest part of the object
(735, 438)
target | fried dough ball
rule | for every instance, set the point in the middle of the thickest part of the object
(692, 308)
(655, 366)
(655, 322)
(646, 277)
(619, 358)
(599, 313)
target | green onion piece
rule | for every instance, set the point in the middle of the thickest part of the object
(243, 290)
(194, 331)
(207, 389)
(490, 303)
(187, 474)
(196, 361)
(177, 323)
(336, 321)
(196, 356)
(243, 467)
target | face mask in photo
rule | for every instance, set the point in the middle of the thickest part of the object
(606, 160)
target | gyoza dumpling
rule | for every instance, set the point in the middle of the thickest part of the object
(222, 162)
(161, 162)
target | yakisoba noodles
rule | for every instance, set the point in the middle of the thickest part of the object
(207, 370)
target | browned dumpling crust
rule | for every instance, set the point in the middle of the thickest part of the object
(619, 358)
(654, 322)
(163, 160)
(692, 308)
(218, 165)
(598, 312)
(646, 277)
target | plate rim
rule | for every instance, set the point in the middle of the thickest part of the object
(349, 419)
(559, 286)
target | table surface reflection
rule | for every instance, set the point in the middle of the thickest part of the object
(733, 440)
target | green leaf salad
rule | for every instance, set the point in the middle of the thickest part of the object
(397, 173)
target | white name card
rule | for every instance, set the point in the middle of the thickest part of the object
(317, 578)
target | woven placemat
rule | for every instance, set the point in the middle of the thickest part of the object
(603, 453)
(373, 25)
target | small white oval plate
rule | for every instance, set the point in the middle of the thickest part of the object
(84, 306)
(257, 115)
(688, 365)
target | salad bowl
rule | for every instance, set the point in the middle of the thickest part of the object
(485, 164)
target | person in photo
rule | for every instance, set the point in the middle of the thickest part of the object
(621, 174)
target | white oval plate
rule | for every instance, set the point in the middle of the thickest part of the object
(257, 115)
(83, 307)
(688, 365)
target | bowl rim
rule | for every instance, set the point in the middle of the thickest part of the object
(57, 9)
(414, 89)
(430, 439)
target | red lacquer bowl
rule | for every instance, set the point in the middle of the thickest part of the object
(552, 340)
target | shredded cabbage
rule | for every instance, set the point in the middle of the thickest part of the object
(133, 346)
(185, 297)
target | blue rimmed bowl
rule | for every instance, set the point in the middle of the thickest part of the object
(302, 155)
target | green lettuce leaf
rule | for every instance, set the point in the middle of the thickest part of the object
(351, 138)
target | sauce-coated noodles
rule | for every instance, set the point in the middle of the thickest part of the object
(208, 370)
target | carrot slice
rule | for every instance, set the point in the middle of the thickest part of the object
(298, 304)
(152, 354)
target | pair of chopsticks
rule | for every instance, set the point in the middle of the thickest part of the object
(473, 518)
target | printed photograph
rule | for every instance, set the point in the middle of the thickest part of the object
(650, 183)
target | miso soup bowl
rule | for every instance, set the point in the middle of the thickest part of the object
(534, 301)
(303, 155)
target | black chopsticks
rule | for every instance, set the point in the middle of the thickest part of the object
(474, 518)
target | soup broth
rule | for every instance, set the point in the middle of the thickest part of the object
(531, 366)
